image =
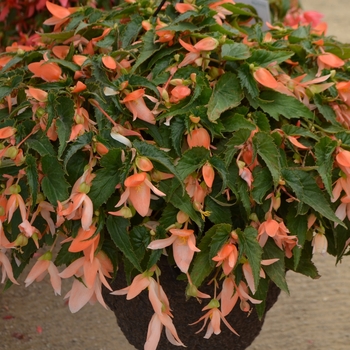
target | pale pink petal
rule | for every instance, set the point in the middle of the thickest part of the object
(153, 334)
(162, 243)
(139, 283)
(248, 274)
(39, 267)
(183, 255)
(228, 299)
(79, 295)
(73, 268)
(55, 278)
(6, 268)
(140, 197)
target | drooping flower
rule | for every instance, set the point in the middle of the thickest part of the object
(183, 242)
(227, 257)
(40, 269)
(162, 317)
(214, 316)
(319, 243)
(138, 191)
(198, 137)
(6, 268)
(135, 103)
(195, 51)
(48, 71)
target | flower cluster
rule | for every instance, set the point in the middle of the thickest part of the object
(192, 133)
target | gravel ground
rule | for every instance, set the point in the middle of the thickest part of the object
(313, 317)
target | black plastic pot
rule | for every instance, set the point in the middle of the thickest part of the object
(134, 315)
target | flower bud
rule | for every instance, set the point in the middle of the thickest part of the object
(11, 152)
(84, 188)
(40, 112)
(15, 189)
(182, 217)
(143, 163)
(21, 240)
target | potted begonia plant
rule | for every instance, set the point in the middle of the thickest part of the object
(176, 149)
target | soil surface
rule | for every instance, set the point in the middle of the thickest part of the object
(313, 317)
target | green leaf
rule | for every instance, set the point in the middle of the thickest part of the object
(218, 213)
(263, 58)
(203, 264)
(41, 144)
(249, 245)
(70, 65)
(325, 109)
(324, 151)
(297, 225)
(226, 94)
(140, 239)
(277, 270)
(131, 31)
(12, 84)
(277, 104)
(181, 27)
(243, 191)
(118, 230)
(61, 36)
(103, 185)
(219, 165)
(148, 49)
(64, 122)
(75, 146)
(192, 160)
(177, 129)
(261, 294)
(54, 184)
(32, 177)
(236, 121)
(247, 80)
(266, 148)
(262, 183)
(307, 191)
(234, 52)
(237, 9)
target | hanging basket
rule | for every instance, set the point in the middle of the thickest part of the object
(134, 315)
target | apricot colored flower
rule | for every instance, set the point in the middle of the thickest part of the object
(328, 60)
(7, 132)
(198, 138)
(214, 316)
(138, 191)
(40, 269)
(6, 268)
(227, 257)
(184, 246)
(195, 51)
(162, 317)
(48, 71)
(208, 174)
(179, 92)
(135, 103)
(93, 271)
(343, 88)
(319, 243)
